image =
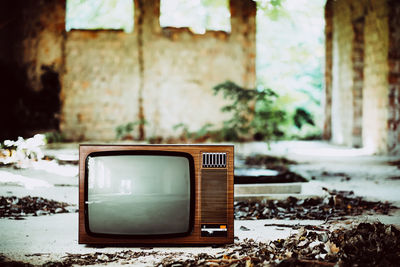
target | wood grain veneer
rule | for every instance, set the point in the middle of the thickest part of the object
(199, 216)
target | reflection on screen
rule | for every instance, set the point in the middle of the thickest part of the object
(138, 194)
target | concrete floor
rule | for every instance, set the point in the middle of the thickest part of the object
(56, 235)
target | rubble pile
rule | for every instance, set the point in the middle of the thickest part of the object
(336, 205)
(17, 208)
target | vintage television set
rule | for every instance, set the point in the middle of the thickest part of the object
(156, 194)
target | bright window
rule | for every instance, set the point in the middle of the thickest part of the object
(100, 14)
(198, 15)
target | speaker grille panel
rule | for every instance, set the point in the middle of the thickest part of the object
(213, 196)
(214, 160)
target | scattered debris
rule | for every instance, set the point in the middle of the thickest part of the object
(24, 152)
(298, 226)
(19, 153)
(97, 258)
(17, 208)
(368, 245)
(365, 245)
(4, 262)
(37, 254)
(343, 176)
(336, 205)
(123, 257)
(395, 163)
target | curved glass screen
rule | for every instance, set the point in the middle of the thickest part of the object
(138, 194)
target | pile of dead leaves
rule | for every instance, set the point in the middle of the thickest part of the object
(365, 245)
(19, 207)
(336, 205)
(368, 245)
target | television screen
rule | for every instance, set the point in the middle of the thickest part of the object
(138, 194)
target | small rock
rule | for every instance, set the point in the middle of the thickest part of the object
(59, 210)
(244, 228)
(41, 212)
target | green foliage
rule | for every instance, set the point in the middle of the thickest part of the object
(125, 131)
(54, 137)
(253, 112)
(301, 117)
(256, 115)
(273, 9)
(203, 131)
(290, 55)
(186, 134)
(185, 129)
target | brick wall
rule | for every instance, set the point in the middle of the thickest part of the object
(109, 78)
(100, 83)
(166, 77)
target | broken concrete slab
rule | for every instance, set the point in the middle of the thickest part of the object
(286, 188)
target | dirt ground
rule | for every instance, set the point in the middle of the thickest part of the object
(53, 238)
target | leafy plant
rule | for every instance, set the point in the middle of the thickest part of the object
(301, 117)
(54, 137)
(203, 131)
(200, 135)
(254, 114)
(125, 131)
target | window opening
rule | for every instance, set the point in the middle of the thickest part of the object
(100, 14)
(197, 15)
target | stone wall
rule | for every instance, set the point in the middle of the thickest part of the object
(164, 76)
(362, 61)
(108, 78)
